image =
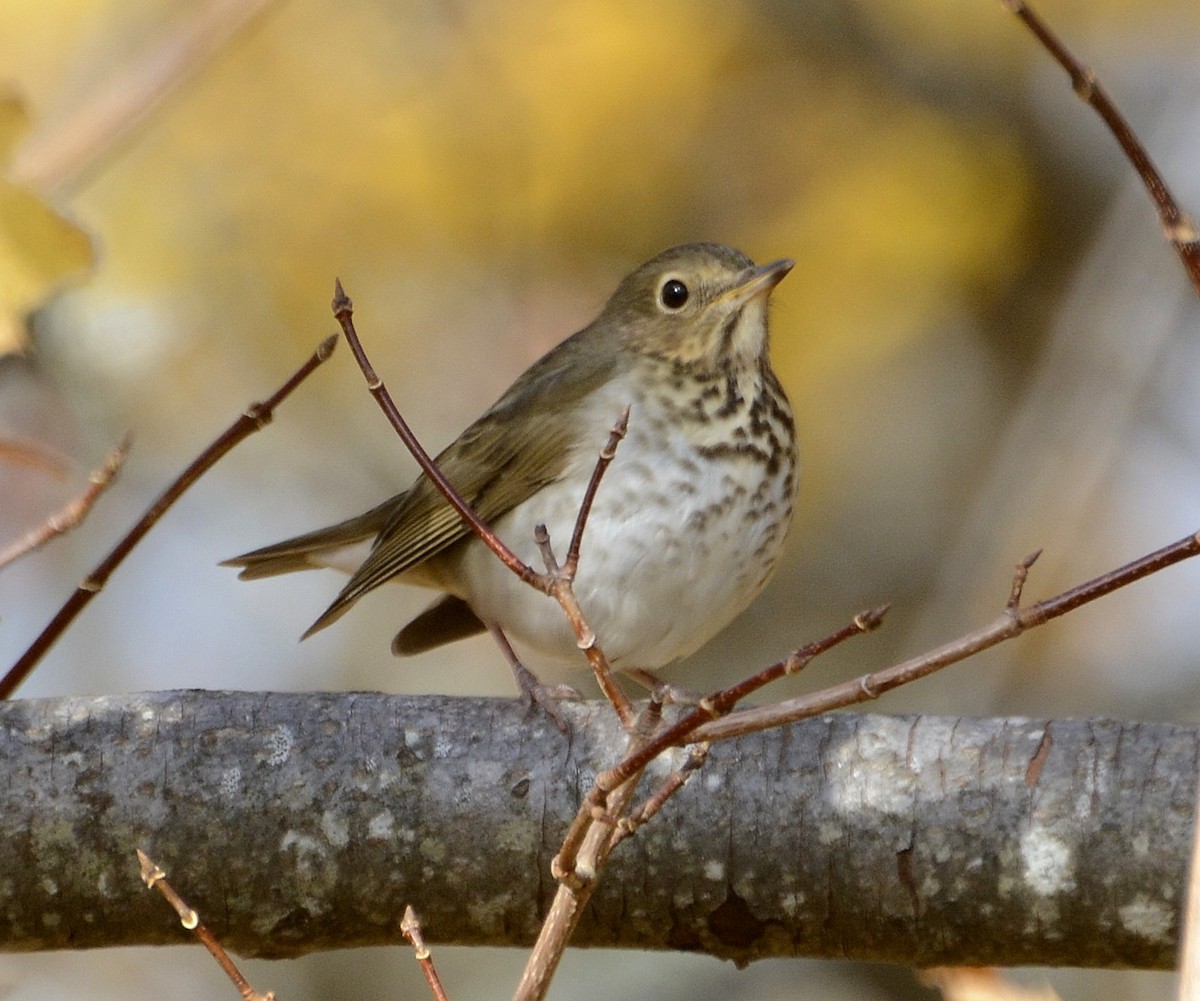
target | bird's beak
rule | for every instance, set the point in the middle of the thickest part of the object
(757, 281)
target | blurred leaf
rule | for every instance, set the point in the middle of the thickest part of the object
(14, 123)
(38, 247)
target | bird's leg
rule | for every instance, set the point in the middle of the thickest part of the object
(664, 691)
(532, 690)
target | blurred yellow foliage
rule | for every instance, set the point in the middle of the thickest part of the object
(459, 165)
(506, 136)
(914, 217)
(541, 123)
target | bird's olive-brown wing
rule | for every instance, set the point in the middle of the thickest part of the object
(518, 446)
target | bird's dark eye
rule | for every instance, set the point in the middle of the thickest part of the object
(674, 294)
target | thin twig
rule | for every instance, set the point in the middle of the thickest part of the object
(607, 454)
(697, 755)
(560, 586)
(703, 724)
(1020, 576)
(596, 812)
(699, 721)
(1011, 623)
(256, 417)
(410, 928)
(343, 310)
(73, 513)
(155, 878)
(1177, 226)
(557, 581)
(653, 740)
(570, 900)
(596, 806)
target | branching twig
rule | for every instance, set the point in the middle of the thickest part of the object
(256, 417)
(570, 900)
(556, 581)
(410, 928)
(561, 580)
(601, 819)
(702, 724)
(1011, 623)
(597, 804)
(155, 878)
(1020, 576)
(697, 755)
(343, 310)
(74, 512)
(698, 721)
(1177, 226)
(607, 454)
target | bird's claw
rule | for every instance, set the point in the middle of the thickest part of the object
(548, 697)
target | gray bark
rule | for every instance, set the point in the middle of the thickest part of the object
(297, 822)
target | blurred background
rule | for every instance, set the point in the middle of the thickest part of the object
(989, 346)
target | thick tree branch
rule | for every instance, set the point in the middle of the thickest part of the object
(299, 822)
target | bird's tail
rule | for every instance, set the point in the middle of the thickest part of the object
(304, 552)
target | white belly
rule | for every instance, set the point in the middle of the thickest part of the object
(670, 555)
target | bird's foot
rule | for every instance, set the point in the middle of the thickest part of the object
(533, 692)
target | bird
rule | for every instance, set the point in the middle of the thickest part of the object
(686, 527)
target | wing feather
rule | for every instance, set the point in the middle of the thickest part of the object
(521, 444)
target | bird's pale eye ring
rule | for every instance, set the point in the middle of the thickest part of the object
(673, 295)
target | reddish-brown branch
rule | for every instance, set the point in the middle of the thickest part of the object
(156, 879)
(571, 899)
(560, 586)
(697, 755)
(1012, 622)
(343, 310)
(598, 805)
(603, 808)
(704, 725)
(1177, 226)
(557, 580)
(652, 740)
(713, 706)
(256, 417)
(607, 454)
(410, 928)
